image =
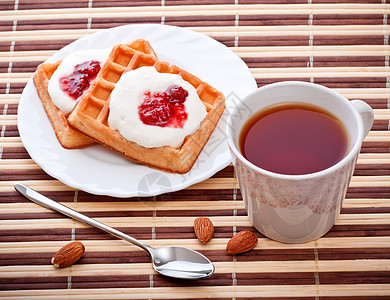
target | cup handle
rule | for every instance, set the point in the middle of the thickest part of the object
(366, 113)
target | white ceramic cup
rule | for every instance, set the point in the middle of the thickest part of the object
(297, 208)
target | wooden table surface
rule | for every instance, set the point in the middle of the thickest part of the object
(343, 45)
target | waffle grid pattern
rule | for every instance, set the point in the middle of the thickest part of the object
(91, 114)
(69, 137)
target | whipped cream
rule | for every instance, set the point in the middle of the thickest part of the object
(129, 94)
(60, 98)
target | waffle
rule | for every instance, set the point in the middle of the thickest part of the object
(91, 113)
(69, 137)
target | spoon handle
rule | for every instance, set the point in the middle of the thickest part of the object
(38, 198)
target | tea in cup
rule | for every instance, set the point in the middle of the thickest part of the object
(294, 155)
(293, 139)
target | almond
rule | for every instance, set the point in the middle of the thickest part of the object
(68, 255)
(204, 229)
(241, 242)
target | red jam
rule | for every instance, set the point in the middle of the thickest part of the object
(164, 109)
(76, 83)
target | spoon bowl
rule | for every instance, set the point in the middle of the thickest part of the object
(176, 262)
(179, 262)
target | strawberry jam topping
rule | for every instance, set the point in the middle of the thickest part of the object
(76, 83)
(164, 109)
(176, 94)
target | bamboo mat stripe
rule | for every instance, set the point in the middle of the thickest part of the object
(246, 291)
(363, 244)
(220, 267)
(195, 10)
(172, 221)
(372, 53)
(343, 45)
(9, 208)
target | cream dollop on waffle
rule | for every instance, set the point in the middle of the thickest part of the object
(129, 94)
(61, 98)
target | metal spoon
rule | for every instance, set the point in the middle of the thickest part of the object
(177, 262)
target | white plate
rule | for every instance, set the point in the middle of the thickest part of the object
(98, 170)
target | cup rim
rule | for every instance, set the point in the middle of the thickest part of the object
(351, 153)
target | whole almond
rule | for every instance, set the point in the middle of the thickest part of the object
(204, 229)
(241, 242)
(68, 255)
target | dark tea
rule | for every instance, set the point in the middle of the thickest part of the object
(294, 139)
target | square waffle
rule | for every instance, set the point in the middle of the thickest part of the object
(69, 137)
(91, 113)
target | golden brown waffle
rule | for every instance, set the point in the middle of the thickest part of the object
(69, 137)
(91, 114)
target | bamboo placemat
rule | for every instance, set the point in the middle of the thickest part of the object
(343, 45)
